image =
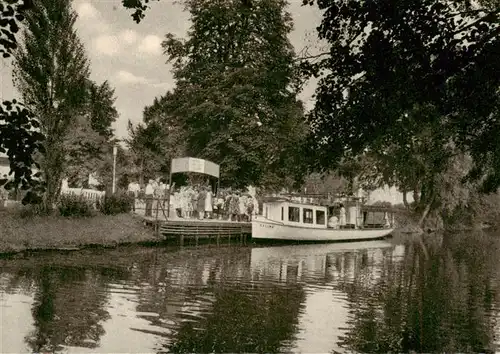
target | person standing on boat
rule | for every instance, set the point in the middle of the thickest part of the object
(387, 223)
(333, 222)
(208, 203)
(249, 207)
(342, 215)
(255, 210)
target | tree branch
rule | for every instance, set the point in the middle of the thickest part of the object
(488, 17)
(312, 56)
(469, 12)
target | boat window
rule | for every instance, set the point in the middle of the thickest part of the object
(294, 214)
(307, 216)
(320, 217)
(282, 213)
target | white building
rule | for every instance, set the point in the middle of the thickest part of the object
(388, 194)
(4, 165)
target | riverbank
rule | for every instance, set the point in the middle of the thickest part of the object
(407, 223)
(54, 232)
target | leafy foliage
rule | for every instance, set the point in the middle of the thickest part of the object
(235, 100)
(101, 110)
(125, 169)
(325, 183)
(21, 140)
(84, 151)
(154, 143)
(51, 72)
(140, 7)
(11, 14)
(74, 206)
(411, 84)
(116, 204)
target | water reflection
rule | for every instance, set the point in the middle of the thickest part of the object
(439, 296)
(435, 294)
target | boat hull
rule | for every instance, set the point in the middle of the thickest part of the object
(264, 229)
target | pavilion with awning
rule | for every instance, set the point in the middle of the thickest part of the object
(193, 165)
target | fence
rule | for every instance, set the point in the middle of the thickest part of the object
(155, 208)
(90, 194)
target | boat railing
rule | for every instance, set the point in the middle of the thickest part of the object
(329, 199)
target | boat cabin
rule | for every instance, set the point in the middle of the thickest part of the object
(296, 214)
(317, 216)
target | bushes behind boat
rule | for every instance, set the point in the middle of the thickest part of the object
(116, 204)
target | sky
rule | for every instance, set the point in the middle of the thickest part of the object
(130, 57)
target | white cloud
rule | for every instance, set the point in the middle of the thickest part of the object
(151, 44)
(90, 19)
(129, 78)
(107, 45)
(166, 86)
(128, 36)
(87, 10)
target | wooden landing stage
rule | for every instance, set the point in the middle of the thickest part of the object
(195, 231)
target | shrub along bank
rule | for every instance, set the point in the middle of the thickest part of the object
(75, 224)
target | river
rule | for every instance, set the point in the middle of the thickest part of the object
(436, 293)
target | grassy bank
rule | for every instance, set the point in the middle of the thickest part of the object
(55, 232)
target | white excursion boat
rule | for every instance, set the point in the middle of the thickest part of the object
(291, 221)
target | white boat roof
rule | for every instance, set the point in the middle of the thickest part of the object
(288, 202)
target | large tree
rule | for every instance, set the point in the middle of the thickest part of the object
(90, 141)
(51, 73)
(235, 99)
(101, 108)
(152, 146)
(412, 81)
(16, 125)
(84, 151)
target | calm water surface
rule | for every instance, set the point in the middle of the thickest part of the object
(424, 294)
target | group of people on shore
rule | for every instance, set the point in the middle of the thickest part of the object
(156, 190)
(198, 202)
(194, 201)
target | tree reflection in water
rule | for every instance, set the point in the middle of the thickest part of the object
(242, 322)
(439, 297)
(69, 307)
(215, 304)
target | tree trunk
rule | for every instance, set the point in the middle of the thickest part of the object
(141, 173)
(405, 199)
(416, 196)
(425, 213)
(52, 169)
